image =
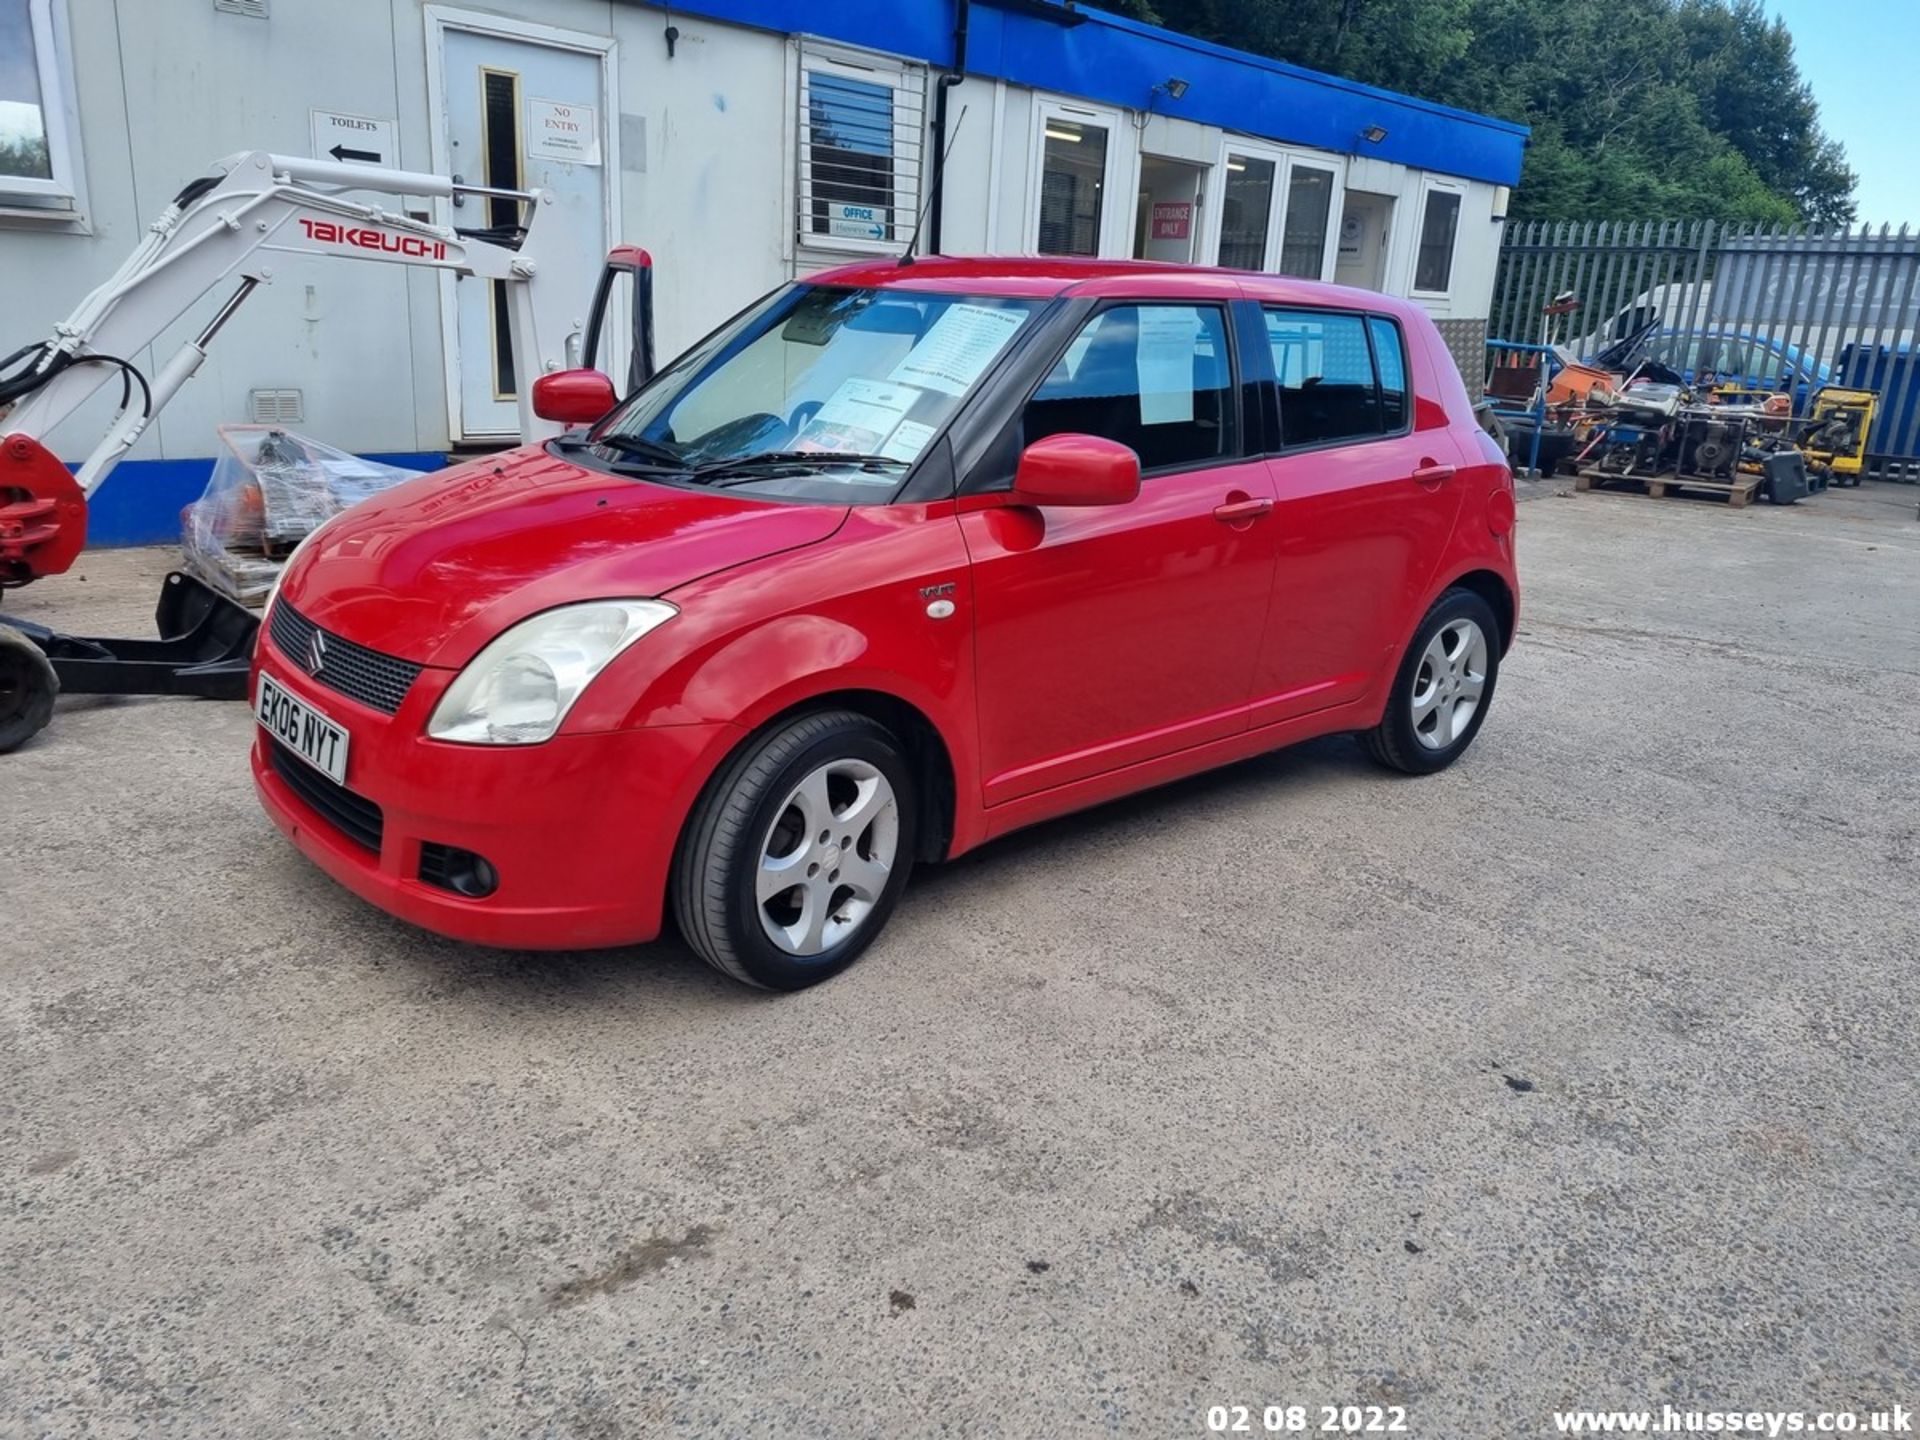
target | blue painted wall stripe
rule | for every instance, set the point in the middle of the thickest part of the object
(141, 501)
(1117, 61)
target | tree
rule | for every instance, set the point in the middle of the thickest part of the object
(1751, 93)
(24, 155)
(1677, 108)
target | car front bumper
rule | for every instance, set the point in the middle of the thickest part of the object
(581, 829)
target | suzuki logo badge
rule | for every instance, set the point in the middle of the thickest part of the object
(316, 653)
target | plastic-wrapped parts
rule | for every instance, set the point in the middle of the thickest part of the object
(269, 490)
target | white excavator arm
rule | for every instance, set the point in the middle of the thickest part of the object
(227, 226)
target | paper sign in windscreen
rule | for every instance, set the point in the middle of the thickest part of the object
(907, 441)
(857, 417)
(958, 348)
(1164, 354)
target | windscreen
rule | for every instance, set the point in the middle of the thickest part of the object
(823, 392)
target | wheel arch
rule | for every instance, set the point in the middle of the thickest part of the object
(1493, 588)
(927, 749)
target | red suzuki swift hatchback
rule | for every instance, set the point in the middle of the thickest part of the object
(899, 559)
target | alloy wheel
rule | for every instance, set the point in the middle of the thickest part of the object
(827, 857)
(1451, 680)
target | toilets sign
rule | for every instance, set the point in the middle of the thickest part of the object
(563, 132)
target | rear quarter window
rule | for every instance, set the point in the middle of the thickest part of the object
(1390, 361)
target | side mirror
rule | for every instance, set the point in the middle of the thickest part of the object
(573, 397)
(1076, 470)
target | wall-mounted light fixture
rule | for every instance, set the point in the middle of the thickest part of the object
(1173, 87)
(1374, 134)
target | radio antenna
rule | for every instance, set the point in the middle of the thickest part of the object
(933, 188)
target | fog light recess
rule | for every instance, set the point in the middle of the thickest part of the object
(461, 871)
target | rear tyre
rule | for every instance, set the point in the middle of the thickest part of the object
(1444, 686)
(797, 852)
(27, 688)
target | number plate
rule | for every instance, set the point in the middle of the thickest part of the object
(303, 730)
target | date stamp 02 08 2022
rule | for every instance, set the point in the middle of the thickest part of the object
(1307, 1419)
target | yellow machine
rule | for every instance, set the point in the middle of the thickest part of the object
(1836, 431)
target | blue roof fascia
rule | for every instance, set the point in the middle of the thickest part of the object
(916, 29)
(1111, 59)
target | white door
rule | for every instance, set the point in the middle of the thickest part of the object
(520, 115)
(1167, 213)
(1366, 226)
(1308, 227)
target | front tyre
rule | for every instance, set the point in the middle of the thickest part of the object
(1444, 686)
(797, 852)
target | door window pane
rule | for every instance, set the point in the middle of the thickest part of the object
(1390, 360)
(1753, 363)
(1327, 389)
(1154, 377)
(1073, 171)
(501, 144)
(1676, 352)
(1434, 267)
(850, 156)
(23, 123)
(1245, 210)
(1303, 241)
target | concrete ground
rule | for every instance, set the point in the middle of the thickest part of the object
(1580, 1075)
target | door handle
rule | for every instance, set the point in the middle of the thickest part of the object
(1431, 473)
(1239, 512)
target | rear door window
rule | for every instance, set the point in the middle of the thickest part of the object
(1157, 378)
(1341, 377)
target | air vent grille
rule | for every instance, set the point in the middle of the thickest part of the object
(276, 407)
(255, 8)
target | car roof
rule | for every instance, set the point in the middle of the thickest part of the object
(1048, 276)
(1784, 348)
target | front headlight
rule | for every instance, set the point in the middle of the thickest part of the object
(519, 689)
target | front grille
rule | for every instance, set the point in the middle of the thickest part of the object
(377, 681)
(354, 816)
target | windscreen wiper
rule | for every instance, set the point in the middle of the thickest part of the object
(798, 460)
(639, 446)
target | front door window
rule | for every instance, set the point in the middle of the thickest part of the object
(1154, 377)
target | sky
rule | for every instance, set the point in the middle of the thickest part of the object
(1859, 56)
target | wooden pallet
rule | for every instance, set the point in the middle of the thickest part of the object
(1736, 493)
